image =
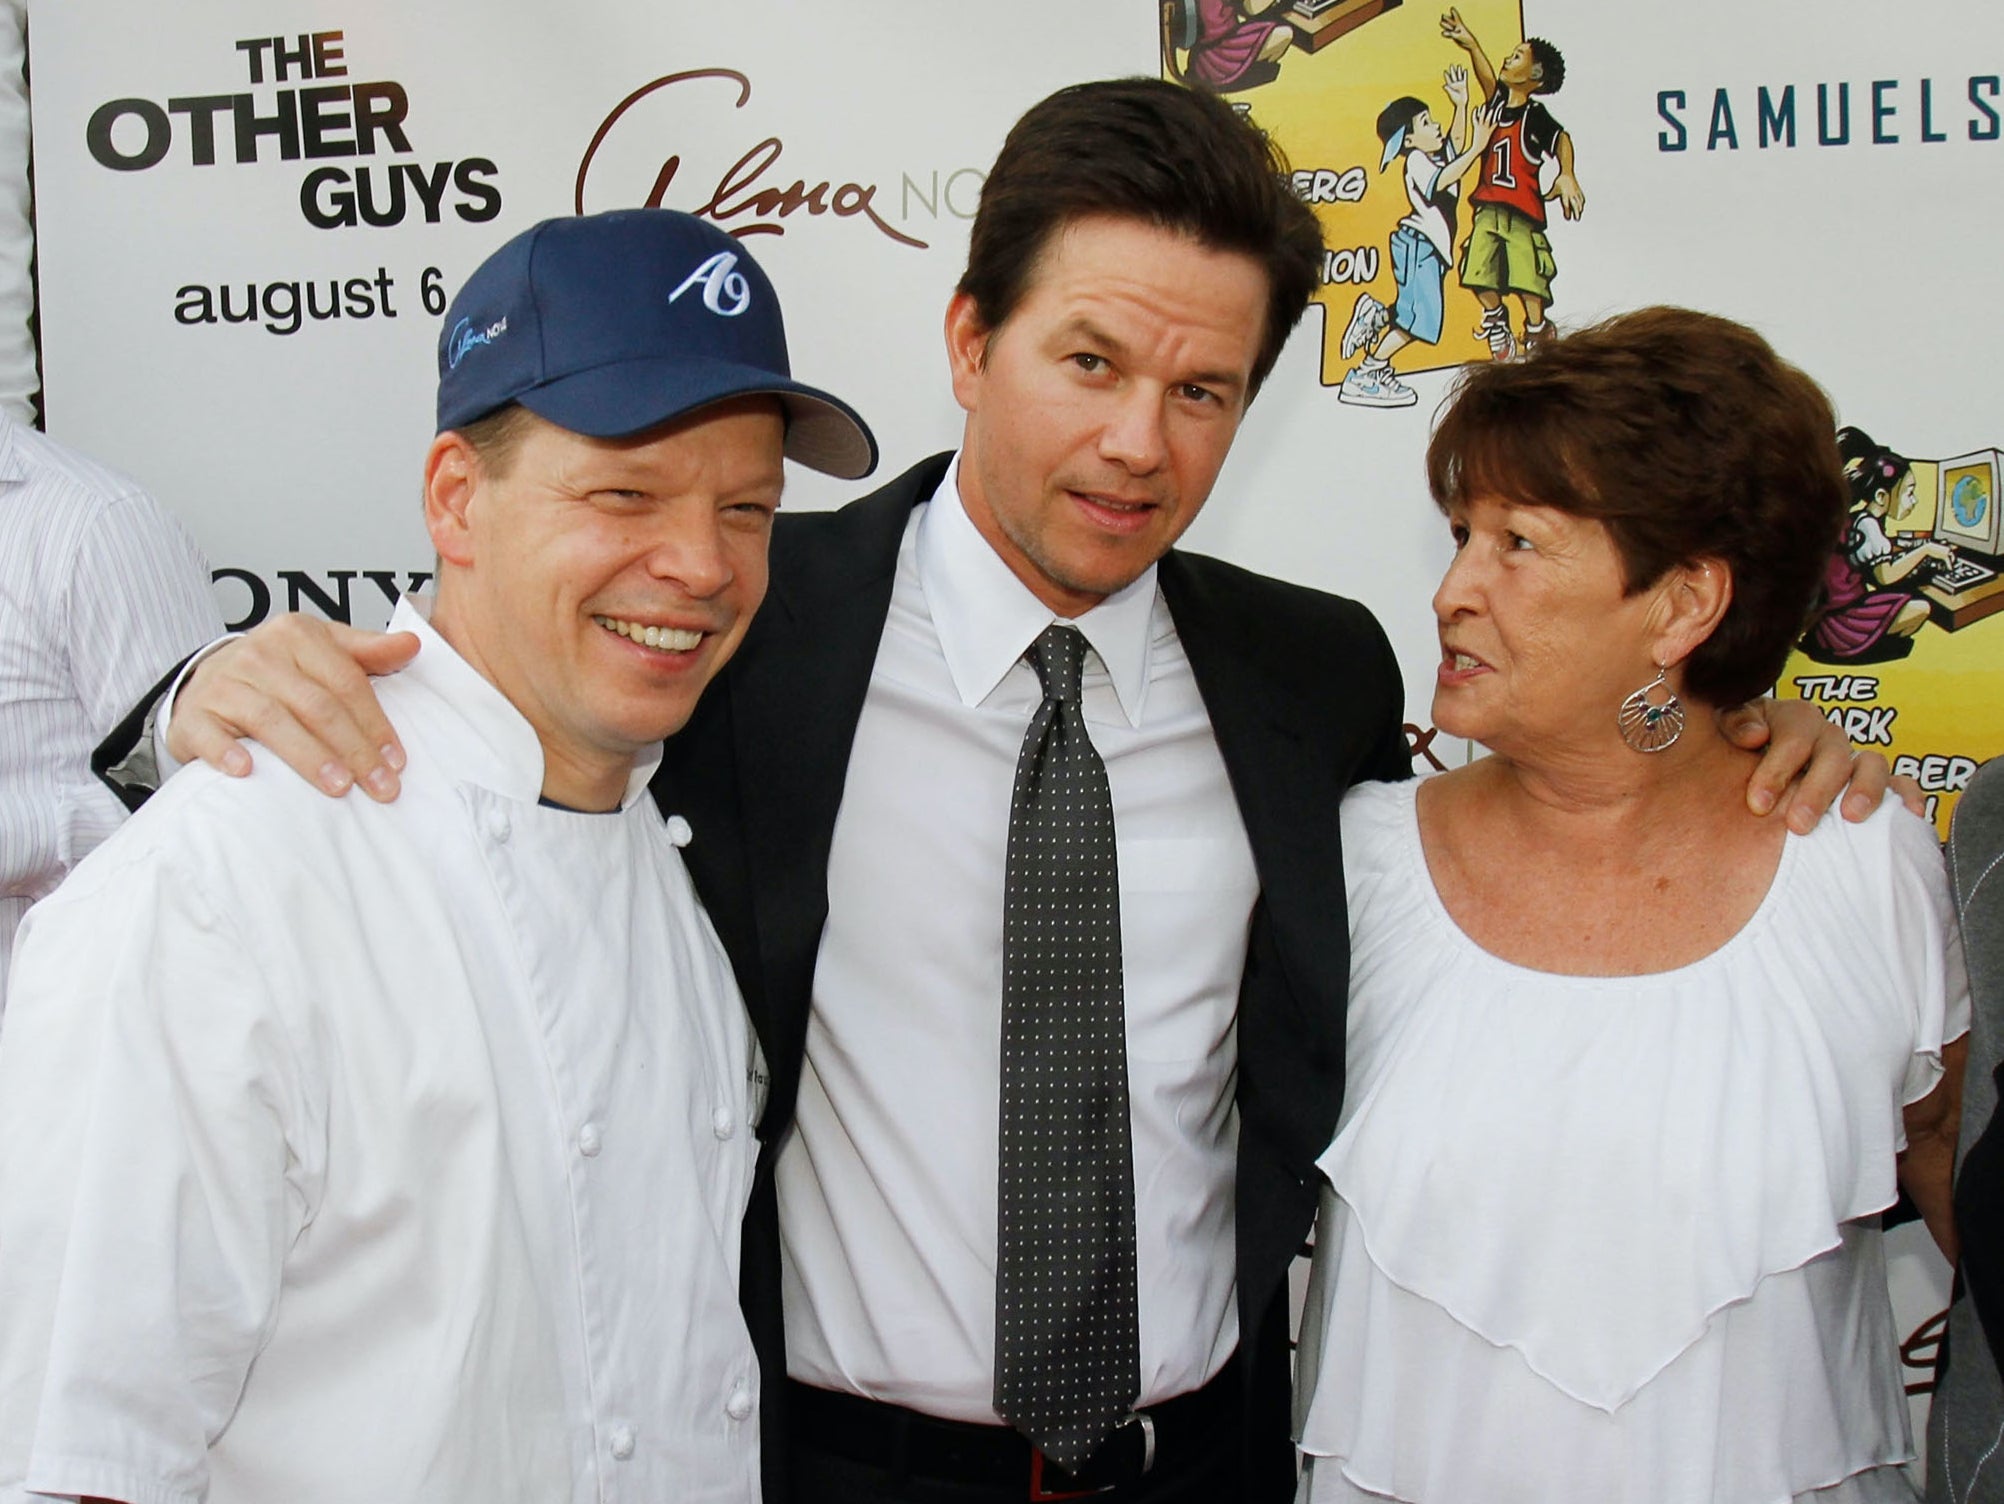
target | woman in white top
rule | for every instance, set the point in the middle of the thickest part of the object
(1630, 1068)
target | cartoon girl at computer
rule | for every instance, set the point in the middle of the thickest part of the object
(1864, 617)
(1232, 44)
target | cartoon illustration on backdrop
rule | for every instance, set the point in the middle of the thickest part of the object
(1870, 610)
(1227, 45)
(1896, 652)
(1435, 161)
(1507, 250)
(1448, 259)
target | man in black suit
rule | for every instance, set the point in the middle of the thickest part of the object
(1115, 319)
(855, 784)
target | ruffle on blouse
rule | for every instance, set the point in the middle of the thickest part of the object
(1599, 1238)
(1411, 1405)
(1604, 1251)
(1633, 1154)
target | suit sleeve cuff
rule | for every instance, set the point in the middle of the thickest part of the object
(133, 761)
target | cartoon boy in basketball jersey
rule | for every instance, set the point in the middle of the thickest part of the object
(1435, 162)
(1507, 250)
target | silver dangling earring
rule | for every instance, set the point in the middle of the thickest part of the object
(1649, 726)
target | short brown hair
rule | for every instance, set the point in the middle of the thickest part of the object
(494, 437)
(1141, 148)
(1688, 438)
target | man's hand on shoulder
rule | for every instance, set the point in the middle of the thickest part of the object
(300, 687)
(1808, 763)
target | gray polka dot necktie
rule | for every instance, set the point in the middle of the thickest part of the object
(1067, 1338)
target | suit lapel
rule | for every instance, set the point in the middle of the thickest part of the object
(1264, 725)
(796, 694)
(1288, 758)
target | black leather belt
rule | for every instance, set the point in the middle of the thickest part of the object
(1167, 1437)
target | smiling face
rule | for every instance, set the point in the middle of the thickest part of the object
(601, 583)
(1538, 643)
(1100, 411)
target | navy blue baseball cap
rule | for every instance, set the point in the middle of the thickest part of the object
(607, 324)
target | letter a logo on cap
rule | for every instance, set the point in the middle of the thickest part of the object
(721, 280)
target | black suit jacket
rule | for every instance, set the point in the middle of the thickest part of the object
(1304, 696)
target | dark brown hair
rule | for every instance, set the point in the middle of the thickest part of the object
(1142, 148)
(1688, 438)
(1550, 63)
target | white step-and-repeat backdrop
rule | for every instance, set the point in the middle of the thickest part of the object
(251, 216)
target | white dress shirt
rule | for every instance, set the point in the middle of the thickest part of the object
(100, 592)
(887, 1188)
(389, 1153)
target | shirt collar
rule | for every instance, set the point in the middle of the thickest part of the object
(498, 748)
(986, 617)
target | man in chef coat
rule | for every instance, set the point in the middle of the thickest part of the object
(271, 1231)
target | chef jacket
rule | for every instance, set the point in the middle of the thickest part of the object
(389, 1152)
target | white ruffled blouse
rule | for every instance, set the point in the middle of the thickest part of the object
(1612, 1238)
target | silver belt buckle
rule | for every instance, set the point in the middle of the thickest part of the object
(1039, 1494)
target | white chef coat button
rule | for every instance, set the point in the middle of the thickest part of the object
(497, 824)
(739, 1405)
(678, 831)
(722, 1123)
(622, 1442)
(588, 1140)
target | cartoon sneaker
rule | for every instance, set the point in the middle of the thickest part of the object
(1495, 328)
(1368, 320)
(1537, 336)
(1375, 384)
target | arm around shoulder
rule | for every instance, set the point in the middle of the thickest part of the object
(300, 687)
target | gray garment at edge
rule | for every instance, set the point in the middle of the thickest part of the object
(1965, 1431)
